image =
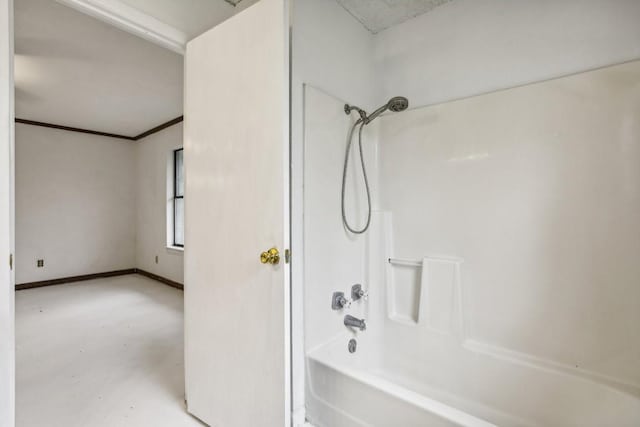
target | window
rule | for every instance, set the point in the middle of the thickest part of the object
(178, 198)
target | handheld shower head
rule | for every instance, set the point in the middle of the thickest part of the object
(398, 103)
(395, 104)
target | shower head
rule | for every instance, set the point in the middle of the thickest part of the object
(395, 104)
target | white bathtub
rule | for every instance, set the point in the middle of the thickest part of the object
(455, 387)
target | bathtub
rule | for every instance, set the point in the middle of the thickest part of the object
(452, 386)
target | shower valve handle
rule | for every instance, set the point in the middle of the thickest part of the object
(338, 301)
(357, 292)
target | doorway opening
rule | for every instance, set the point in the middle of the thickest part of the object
(99, 214)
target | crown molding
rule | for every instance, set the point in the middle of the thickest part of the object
(159, 128)
(107, 134)
(72, 129)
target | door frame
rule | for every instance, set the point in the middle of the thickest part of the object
(133, 21)
(7, 287)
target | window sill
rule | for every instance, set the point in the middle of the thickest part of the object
(175, 249)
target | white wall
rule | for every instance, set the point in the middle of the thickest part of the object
(7, 357)
(467, 47)
(88, 204)
(154, 162)
(75, 203)
(333, 52)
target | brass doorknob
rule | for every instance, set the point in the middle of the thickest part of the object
(272, 256)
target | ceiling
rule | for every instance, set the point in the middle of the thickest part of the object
(377, 15)
(73, 70)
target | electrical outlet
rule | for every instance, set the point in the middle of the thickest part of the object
(156, 259)
(40, 263)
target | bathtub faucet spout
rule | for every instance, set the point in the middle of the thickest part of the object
(355, 322)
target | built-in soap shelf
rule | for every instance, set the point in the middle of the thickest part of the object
(425, 292)
(405, 262)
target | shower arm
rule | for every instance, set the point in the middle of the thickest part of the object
(349, 108)
(367, 118)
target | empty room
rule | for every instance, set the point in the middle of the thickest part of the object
(99, 223)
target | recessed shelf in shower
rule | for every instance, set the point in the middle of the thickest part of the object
(426, 292)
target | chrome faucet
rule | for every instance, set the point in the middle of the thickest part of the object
(354, 322)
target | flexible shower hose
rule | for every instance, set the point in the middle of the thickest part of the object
(364, 174)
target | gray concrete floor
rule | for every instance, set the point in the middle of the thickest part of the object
(106, 352)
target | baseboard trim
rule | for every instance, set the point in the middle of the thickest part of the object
(71, 279)
(160, 279)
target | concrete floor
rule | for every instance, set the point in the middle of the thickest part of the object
(106, 352)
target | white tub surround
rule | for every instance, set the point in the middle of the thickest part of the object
(511, 223)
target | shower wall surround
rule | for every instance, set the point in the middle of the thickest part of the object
(517, 212)
(334, 259)
(537, 188)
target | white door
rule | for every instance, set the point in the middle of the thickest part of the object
(237, 205)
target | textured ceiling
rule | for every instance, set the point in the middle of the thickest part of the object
(73, 70)
(377, 15)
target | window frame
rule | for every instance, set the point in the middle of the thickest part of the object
(176, 196)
